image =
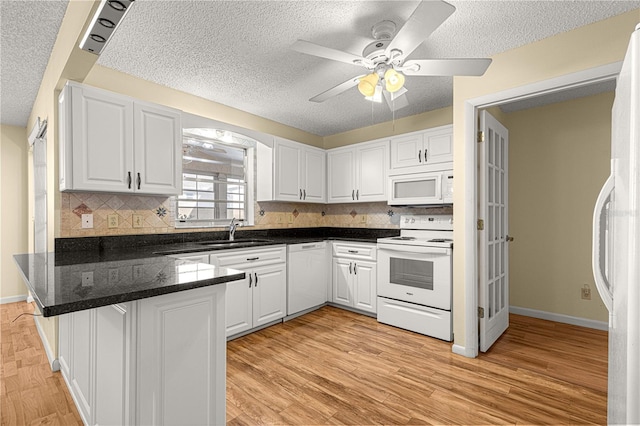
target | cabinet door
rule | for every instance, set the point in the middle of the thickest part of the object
(182, 358)
(407, 151)
(112, 373)
(158, 150)
(314, 170)
(342, 282)
(288, 163)
(269, 293)
(239, 315)
(83, 362)
(438, 145)
(101, 140)
(341, 176)
(364, 286)
(372, 164)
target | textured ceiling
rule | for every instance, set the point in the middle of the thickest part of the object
(28, 30)
(237, 52)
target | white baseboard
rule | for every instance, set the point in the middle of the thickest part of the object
(566, 319)
(13, 299)
(461, 350)
(53, 361)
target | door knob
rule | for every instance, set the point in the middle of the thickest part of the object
(508, 239)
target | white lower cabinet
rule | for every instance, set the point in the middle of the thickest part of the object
(160, 360)
(354, 278)
(262, 297)
(95, 360)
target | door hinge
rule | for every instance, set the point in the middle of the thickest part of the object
(480, 312)
(480, 225)
(480, 136)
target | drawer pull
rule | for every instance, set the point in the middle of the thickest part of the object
(250, 280)
(256, 279)
(353, 251)
(252, 258)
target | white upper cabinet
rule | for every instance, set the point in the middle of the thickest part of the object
(358, 173)
(419, 151)
(298, 170)
(113, 143)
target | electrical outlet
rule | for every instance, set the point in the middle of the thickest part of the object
(87, 221)
(289, 217)
(87, 279)
(585, 292)
(112, 221)
(280, 218)
(113, 276)
(137, 221)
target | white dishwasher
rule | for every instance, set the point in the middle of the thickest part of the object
(307, 274)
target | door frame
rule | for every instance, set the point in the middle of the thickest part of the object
(471, 107)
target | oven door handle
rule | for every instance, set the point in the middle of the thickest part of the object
(413, 249)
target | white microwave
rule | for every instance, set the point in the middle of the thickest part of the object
(421, 189)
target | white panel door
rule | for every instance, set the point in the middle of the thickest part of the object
(438, 146)
(239, 315)
(288, 163)
(493, 256)
(406, 151)
(182, 358)
(158, 150)
(102, 134)
(372, 165)
(314, 169)
(342, 281)
(341, 176)
(113, 365)
(364, 286)
(269, 293)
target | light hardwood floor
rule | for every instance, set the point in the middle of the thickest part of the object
(336, 367)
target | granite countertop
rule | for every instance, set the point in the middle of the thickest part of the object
(60, 289)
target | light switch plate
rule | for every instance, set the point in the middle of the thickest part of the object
(137, 221)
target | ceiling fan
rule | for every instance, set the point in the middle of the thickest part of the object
(386, 57)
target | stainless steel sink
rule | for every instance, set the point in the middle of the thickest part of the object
(234, 243)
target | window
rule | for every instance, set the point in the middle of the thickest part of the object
(215, 178)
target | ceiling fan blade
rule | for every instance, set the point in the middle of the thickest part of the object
(313, 49)
(342, 87)
(428, 16)
(397, 100)
(446, 67)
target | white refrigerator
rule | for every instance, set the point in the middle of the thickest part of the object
(616, 244)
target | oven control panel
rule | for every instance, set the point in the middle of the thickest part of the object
(429, 222)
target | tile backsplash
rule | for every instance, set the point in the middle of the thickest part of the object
(137, 214)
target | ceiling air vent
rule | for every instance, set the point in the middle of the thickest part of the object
(104, 23)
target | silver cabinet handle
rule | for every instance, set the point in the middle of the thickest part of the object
(420, 156)
(250, 280)
(256, 274)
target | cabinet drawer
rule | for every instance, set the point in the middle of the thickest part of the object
(249, 258)
(350, 250)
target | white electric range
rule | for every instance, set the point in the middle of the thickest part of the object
(415, 276)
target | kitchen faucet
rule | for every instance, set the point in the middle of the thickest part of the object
(232, 228)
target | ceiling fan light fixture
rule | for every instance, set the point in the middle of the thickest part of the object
(377, 95)
(393, 80)
(367, 85)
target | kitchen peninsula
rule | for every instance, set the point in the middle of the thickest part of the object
(141, 335)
